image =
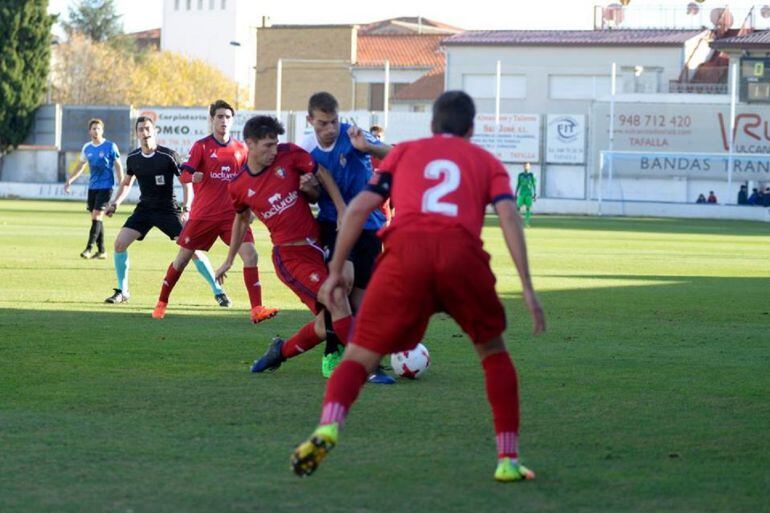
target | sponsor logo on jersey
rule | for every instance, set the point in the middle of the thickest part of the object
(160, 180)
(279, 204)
(280, 173)
(225, 173)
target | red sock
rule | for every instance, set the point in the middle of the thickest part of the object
(303, 340)
(342, 390)
(342, 328)
(503, 396)
(172, 276)
(251, 279)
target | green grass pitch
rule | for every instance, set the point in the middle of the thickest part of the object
(648, 393)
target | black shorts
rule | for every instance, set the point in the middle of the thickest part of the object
(98, 199)
(365, 252)
(165, 219)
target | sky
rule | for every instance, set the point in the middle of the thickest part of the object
(474, 15)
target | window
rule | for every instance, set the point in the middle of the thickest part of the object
(189, 4)
(640, 79)
(200, 5)
(211, 5)
(485, 86)
(176, 5)
(578, 87)
(224, 4)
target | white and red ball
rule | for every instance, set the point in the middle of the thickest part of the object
(411, 364)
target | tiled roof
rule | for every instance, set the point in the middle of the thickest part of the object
(416, 51)
(618, 37)
(428, 87)
(404, 24)
(759, 39)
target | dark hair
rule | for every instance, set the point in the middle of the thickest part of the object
(324, 102)
(260, 127)
(375, 128)
(453, 113)
(142, 119)
(220, 104)
(95, 121)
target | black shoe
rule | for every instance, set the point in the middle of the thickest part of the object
(223, 300)
(117, 297)
(272, 359)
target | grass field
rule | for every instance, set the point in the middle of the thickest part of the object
(648, 393)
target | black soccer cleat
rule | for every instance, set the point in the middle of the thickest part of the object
(117, 297)
(223, 300)
(272, 359)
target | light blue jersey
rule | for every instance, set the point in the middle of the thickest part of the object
(351, 170)
(101, 163)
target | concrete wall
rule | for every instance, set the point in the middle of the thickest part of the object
(31, 165)
(301, 79)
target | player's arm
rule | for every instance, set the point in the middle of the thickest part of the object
(534, 187)
(123, 189)
(308, 185)
(510, 223)
(187, 195)
(119, 170)
(328, 183)
(74, 176)
(362, 143)
(240, 226)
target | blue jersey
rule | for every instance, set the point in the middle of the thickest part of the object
(101, 163)
(351, 170)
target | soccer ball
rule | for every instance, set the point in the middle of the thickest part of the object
(411, 364)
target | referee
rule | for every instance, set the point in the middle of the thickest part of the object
(154, 167)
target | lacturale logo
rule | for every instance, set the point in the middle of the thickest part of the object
(280, 205)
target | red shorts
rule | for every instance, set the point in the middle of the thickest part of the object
(303, 270)
(423, 273)
(200, 234)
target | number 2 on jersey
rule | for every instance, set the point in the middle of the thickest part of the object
(449, 174)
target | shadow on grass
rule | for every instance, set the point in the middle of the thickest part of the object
(646, 225)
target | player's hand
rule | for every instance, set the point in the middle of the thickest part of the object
(358, 139)
(334, 282)
(197, 177)
(67, 187)
(535, 310)
(111, 210)
(221, 273)
(184, 217)
(308, 183)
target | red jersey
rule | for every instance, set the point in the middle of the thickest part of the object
(274, 196)
(219, 163)
(444, 180)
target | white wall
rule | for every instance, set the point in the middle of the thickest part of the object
(206, 34)
(31, 166)
(537, 64)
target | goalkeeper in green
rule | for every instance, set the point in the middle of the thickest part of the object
(525, 192)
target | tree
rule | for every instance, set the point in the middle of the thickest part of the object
(95, 19)
(25, 37)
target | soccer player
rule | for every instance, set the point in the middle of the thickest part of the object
(525, 192)
(379, 133)
(103, 160)
(345, 150)
(213, 162)
(433, 262)
(269, 186)
(154, 167)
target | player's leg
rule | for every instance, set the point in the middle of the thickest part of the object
(527, 210)
(407, 309)
(203, 265)
(100, 206)
(126, 236)
(92, 233)
(173, 273)
(259, 312)
(503, 396)
(279, 350)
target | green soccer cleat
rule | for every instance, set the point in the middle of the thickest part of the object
(330, 361)
(509, 470)
(309, 454)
